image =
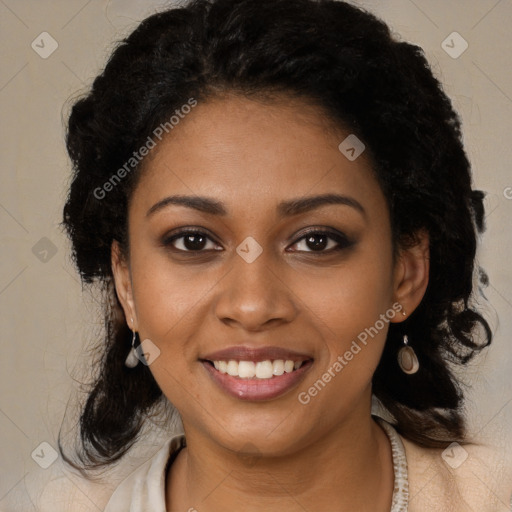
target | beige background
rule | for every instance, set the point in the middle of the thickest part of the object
(47, 320)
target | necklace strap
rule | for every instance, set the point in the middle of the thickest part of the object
(401, 488)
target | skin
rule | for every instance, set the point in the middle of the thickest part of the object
(252, 155)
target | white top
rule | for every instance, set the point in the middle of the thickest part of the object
(472, 478)
(144, 489)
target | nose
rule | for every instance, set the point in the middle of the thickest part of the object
(255, 295)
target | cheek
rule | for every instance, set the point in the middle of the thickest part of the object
(351, 297)
(169, 305)
(352, 310)
(169, 301)
(163, 291)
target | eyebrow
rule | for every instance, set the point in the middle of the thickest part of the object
(284, 209)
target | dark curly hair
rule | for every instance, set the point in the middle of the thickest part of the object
(345, 61)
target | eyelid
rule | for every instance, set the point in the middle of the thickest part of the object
(168, 239)
(342, 240)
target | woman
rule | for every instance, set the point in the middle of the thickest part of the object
(275, 197)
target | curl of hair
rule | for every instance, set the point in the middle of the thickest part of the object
(347, 62)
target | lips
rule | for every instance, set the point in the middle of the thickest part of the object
(243, 353)
(256, 373)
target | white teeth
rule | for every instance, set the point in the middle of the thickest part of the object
(232, 368)
(261, 370)
(288, 366)
(278, 367)
(264, 369)
(246, 369)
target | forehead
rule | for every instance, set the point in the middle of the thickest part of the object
(252, 153)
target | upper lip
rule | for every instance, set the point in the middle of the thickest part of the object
(243, 353)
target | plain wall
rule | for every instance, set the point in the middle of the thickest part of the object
(46, 318)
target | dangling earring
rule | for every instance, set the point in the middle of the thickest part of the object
(407, 359)
(132, 360)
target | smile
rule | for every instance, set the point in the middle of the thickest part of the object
(257, 380)
(261, 369)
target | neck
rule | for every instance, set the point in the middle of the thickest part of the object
(350, 466)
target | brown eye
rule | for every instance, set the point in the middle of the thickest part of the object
(190, 241)
(323, 242)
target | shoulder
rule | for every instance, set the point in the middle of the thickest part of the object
(144, 488)
(460, 478)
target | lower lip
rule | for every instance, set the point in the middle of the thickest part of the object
(258, 389)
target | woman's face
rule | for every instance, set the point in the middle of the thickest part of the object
(254, 285)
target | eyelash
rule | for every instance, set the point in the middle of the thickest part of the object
(342, 241)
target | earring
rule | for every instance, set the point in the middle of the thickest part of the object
(132, 360)
(407, 359)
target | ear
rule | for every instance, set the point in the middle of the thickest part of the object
(123, 284)
(411, 274)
